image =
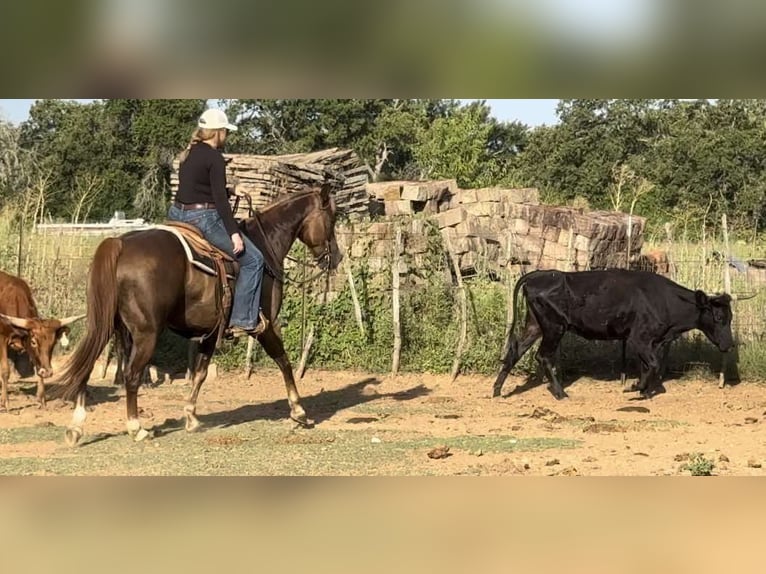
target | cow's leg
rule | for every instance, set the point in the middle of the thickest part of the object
(141, 352)
(40, 392)
(5, 373)
(650, 368)
(546, 358)
(199, 374)
(516, 350)
(624, 368)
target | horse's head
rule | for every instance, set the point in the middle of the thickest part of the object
(318, 230)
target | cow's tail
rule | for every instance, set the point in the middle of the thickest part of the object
(510, 350)
(102, 309)
(519, 284)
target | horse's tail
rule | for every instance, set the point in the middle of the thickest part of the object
(102, 309)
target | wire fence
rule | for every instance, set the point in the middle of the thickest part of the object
(398, 304)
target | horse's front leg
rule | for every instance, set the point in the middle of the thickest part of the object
(271, 341)
(199, 374)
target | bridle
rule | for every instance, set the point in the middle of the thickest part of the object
(322, 260)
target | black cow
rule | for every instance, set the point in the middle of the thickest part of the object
(644, 309)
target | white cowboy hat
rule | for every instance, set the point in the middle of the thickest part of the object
(214, 119)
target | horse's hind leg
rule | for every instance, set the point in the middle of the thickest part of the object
(191, 360)
(271, 341)
(140, 353)
(199, 374)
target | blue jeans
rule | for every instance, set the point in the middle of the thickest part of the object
(247, 291)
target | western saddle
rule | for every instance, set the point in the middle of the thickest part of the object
(213, 261)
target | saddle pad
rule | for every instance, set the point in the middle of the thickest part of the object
(200, 261)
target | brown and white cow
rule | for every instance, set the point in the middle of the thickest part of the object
(656, 261)
(22, 329)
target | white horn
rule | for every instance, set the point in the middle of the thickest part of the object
(738, 298)
(72, 319)
(17, 321)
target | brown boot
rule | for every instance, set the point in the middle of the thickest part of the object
(237, 332)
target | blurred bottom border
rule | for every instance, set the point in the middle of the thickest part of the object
(383, 524)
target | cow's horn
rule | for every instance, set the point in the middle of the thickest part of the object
(740, 298)
(17, 321)
(72, 319)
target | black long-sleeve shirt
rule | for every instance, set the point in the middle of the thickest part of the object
(202, 179)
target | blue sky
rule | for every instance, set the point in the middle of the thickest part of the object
(530, 112)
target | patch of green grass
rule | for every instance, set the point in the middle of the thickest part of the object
(497, 443)
(259, 448)
(698, 465)
(39, 433)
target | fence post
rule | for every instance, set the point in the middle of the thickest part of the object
(355, 298)
(305, 354)
(727, 290)
(395, 296)
(463, 309)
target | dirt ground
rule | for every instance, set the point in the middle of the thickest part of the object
(376, 425)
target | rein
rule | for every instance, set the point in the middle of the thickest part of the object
(278, 271)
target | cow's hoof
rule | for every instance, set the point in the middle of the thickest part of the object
(631, 388)
(558, 395)
(496, 393)
(649, 393)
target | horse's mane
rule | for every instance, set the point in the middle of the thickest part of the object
(286, 197)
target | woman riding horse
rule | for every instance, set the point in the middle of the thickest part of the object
(202, 201)
(142, 282)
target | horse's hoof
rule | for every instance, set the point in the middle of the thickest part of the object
(303, 421)
(141, 435)
(72, 436)
(192, 425)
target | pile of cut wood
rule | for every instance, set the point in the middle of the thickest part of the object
(264, 178)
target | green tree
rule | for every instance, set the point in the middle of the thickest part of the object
(382, 132)
(470, 146)
(109, 155)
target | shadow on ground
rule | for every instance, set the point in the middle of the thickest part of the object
(319, 407)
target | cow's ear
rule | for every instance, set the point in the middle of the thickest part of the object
(721, 300)
(701, 299)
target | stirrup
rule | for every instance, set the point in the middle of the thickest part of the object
(236, 332)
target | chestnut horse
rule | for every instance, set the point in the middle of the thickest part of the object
(142, 282)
